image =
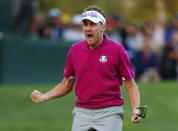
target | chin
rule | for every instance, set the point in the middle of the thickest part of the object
(90, 43)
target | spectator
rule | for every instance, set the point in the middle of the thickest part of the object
(133, 39)
(38, 21)
(146, 63)
(170, 30)
(54, 28)
(169, 71)
(156, 29)
(114, 25)
(116, 29)
(175, 46)
(159, 24)
(168, 64)
(75, 33)
(158, 37)
(23, 15)
(151, 30)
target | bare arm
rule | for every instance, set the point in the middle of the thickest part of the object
(134, 96)
(60, 90)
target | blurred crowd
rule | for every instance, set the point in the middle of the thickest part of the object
(152, 46)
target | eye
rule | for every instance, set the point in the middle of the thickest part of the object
(93, 24)
(84, 23)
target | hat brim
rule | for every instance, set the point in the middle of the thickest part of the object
(92, 19)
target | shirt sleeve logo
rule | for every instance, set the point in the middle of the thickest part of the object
(103, 59)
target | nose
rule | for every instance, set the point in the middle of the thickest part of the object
(87, 27)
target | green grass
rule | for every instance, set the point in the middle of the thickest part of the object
(18, 113)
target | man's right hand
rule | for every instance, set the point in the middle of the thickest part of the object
(37, 97)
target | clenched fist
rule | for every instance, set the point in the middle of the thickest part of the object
(37, 96)
(135, 118)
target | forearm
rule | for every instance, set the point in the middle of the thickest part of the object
(56, 92)
(60, 90)
(133, 93)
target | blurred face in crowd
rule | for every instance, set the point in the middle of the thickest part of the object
(147, 44)
(175, 37)
(175, 44)
(93, 32)
(175, 23)
(131, 29)
(55, 21)
(148, 28)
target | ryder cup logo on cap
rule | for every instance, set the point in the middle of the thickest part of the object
(93, 16)
(103, 59)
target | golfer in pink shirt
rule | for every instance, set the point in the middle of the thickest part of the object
(99, 66)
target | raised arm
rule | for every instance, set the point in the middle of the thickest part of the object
(60, 90)
(134, 96)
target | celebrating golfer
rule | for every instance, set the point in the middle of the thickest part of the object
(99, 66)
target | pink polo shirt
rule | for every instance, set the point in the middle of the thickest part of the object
(99, 73)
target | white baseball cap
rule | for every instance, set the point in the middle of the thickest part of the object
(54, 13)
(93, 16)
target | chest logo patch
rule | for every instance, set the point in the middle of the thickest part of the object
(103, 59)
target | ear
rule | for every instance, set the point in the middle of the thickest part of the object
(103, 28)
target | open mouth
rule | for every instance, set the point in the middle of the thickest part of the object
(90, 36)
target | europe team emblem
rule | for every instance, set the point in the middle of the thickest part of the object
(103, 59)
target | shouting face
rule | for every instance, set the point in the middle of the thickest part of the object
(93, 33)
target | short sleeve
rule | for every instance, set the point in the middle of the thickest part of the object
(69, 70)
(125, 67)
